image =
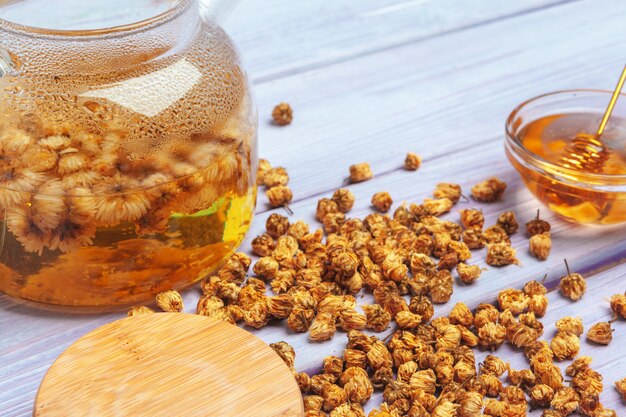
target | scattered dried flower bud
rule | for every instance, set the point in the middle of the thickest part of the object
(537, 226)
(438, 206)
(535, 288)
(382, 201)
(300, 319)
(263, 245)
(286, 352)
(407, 320)
(473, 238)
(516, 301)
(325, 206)
(323, 327)
(276, 225)
(540, 246)
(139, 311)
(500, 254)
(618, 305)
(494, 365)
(600, 333)
(573, 325)
(538, 305)
(344, 199)
(312, 403)
(378, 318)
(276, 177)
(565, 345)
(449, 191)
(565, 400)
(491, 335)
(496, 234)
(279, 196)
(573, 285)
(488, 190)
(468, 273)
(170, 301)
(333, 396)
(282, 114)
(412, 161)
(360, 172)
(541, 395)
(461, 314)
(508, 222)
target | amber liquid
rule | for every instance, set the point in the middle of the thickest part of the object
(549, 138)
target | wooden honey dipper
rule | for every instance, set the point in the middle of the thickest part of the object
(587, 151)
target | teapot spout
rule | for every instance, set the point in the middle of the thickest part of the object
(217, 10)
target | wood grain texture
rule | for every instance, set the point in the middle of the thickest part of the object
(407, 76)
(168, 364)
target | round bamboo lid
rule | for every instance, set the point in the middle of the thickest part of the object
(169, 364)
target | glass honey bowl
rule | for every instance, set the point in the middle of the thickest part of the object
(127, 149)
(538, 133)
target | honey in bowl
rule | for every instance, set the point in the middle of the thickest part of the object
(127, 154)
(540, 133)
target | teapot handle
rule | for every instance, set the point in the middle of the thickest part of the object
(217, 10)
(8, 66)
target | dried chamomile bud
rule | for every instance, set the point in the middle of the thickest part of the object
(471, 404)
(438, 206)
(618, 305)
(286, 352)
(500, 254)
(496, 234)
(379, 356)
(263, 245)
(473, 238)
(540, 245)
(508, 222)
(565, 345)
(139, 311)
(332, 222)
(491, 335)
(461, 314)
(382, 201)
(538, 305)
(494, 365)
(573, 325)
(170, 301)
(407, 320)
(460, 249)
(573, 285)
(276, 225)
(541, 395)
(566, 400)
(279, 196)
(448, 261)
(516, 301)
(580, 364)
(360, 172)
(300, 319)
(378, 318)
(600, 333)
(468, 273)
(537, 226)
(412, 161)
(524, 377)
(280, 306)
(323, 327)
(535, 288)
(275, 177)
(266, 268)
(333, 396)
(324, 207)
(344, 199)
(448, 190)
(358, 387)
(488, 190)
(422, 305)
(282, 114)
(472, 218)
(621, 387)
(312, 403)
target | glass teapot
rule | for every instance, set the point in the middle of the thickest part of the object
(127, 148)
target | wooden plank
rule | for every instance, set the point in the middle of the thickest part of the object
(279, 38)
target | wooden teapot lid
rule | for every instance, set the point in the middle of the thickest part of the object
(169, 364)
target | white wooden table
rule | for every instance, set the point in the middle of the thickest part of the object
(369, 81)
